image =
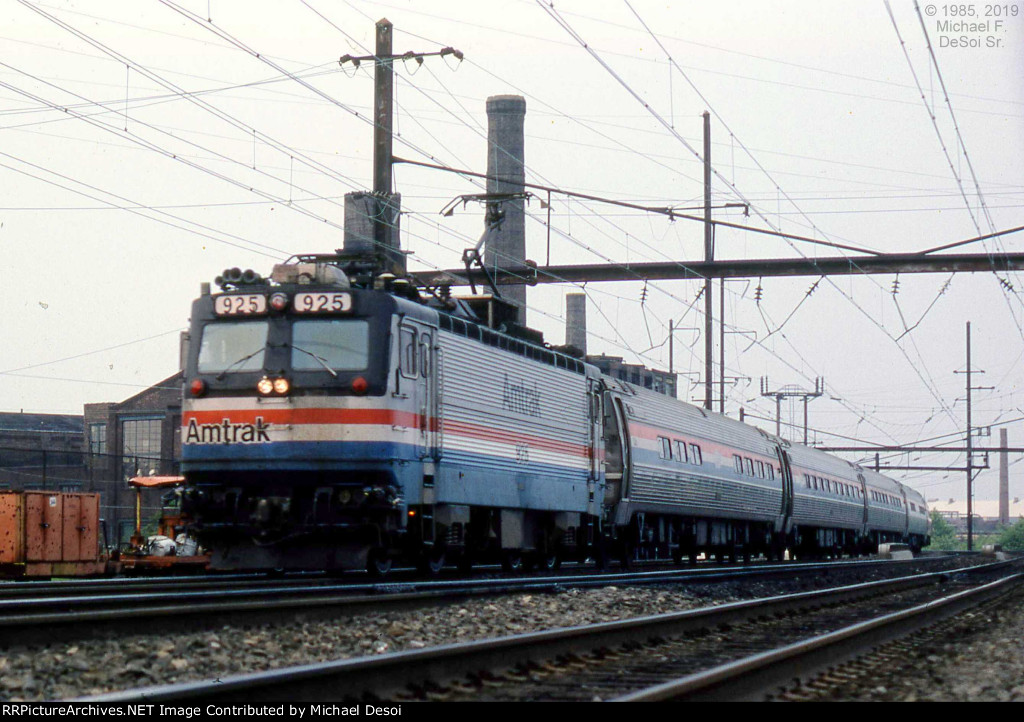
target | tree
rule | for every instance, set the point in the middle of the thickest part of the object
(944, 534)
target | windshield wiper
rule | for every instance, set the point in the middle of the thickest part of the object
(222, 374)
(320, 359)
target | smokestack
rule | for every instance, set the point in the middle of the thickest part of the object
(1004, 480)
(507, 247)
(576, 321)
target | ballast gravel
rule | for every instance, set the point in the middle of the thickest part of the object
(979, 657)
(94, 666)
(63, 671)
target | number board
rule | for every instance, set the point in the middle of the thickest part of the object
(245, 304)
(322, 302)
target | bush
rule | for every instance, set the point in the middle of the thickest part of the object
(1012, 537)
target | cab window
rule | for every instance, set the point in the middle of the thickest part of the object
(341, 344)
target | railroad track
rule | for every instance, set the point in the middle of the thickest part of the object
(32, 613)
(724, 652)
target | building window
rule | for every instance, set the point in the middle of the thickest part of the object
(140, 446)
(97, 438)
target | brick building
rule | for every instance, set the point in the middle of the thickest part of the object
(637, 374)
(140, 436)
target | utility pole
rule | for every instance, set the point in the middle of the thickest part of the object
(384, 211)
(791, 391)
(970, 466)
(970, 451)
(709, 255)
(721, 347)
(383, 114)
(1004, 479)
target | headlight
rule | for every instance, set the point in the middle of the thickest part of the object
(265, 386)
(281, 386)
(279, 301)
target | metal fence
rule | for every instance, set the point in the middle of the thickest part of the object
(69, 470)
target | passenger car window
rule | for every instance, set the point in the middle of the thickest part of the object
(681, 455)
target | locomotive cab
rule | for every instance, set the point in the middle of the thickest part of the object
(293, 388)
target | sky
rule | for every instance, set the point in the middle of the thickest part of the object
(146, 146)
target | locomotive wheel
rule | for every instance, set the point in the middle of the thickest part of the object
(512, 561)
(551, 562)
(378, 563)
(432, 562)
(547, 562)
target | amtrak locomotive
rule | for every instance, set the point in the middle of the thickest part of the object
(336, 417)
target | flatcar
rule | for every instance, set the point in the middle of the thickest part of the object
(337, 417)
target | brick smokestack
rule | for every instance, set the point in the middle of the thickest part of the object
(576, 321)
(505, 141)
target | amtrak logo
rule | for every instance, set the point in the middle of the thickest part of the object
(227, 433)
(520, 398)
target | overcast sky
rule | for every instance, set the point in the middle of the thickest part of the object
(148, 145)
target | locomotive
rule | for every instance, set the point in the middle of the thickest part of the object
(338, 417)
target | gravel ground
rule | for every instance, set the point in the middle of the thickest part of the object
(978, 658)
(62, 671)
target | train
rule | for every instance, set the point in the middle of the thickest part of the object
(338, 416)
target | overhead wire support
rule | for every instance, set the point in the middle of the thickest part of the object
(671, 212)
(756, 268)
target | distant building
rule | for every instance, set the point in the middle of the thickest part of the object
(636, 374)
(41, 451)
(985, 512)
(140, 436)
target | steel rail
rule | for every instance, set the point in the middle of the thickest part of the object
(389, 674)
(58, 618)
(760, 675)
(46, 590)
(20, 603)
